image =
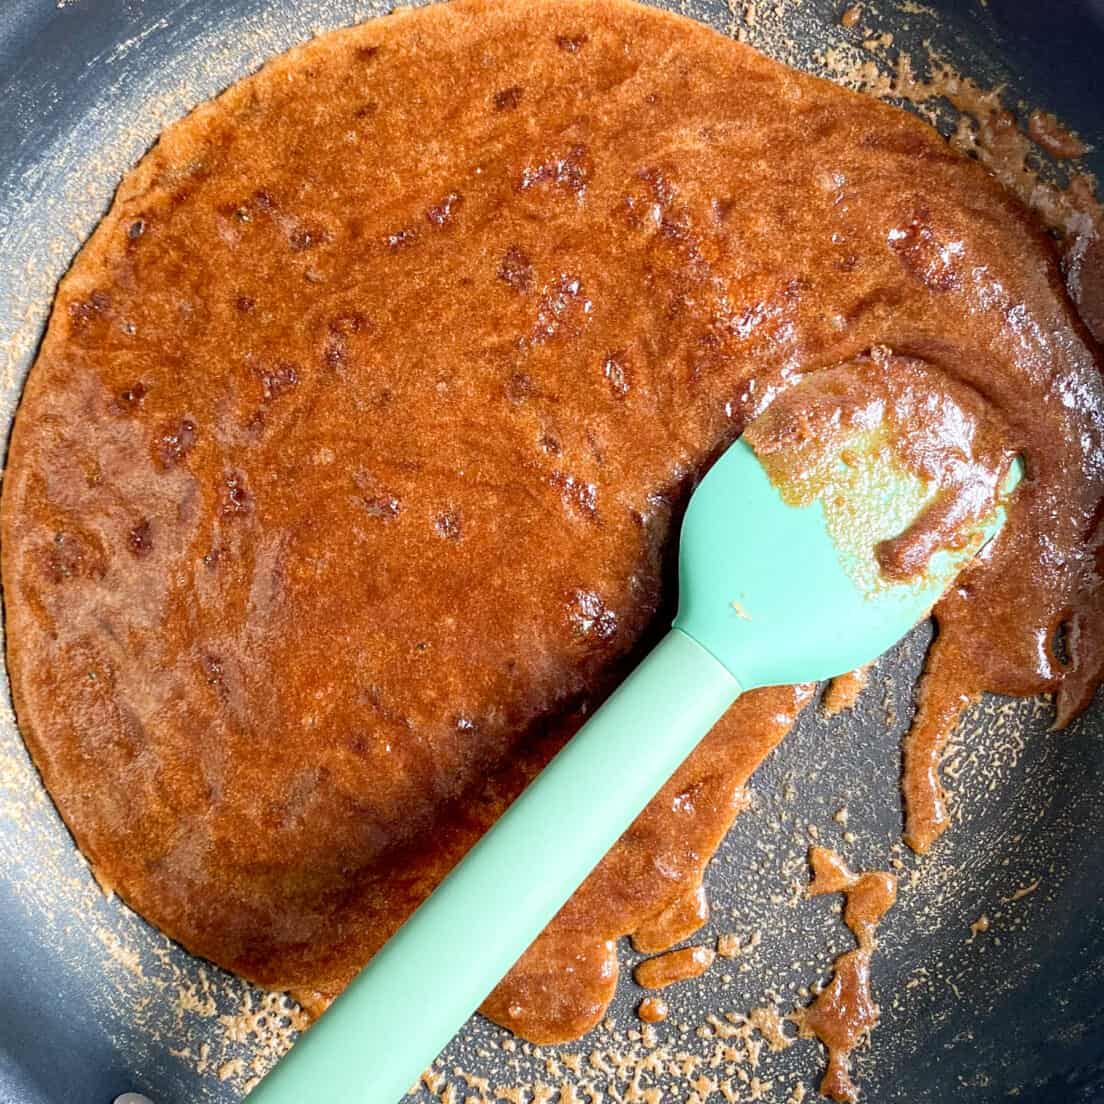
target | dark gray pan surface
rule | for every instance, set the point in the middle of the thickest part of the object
(93, 1002)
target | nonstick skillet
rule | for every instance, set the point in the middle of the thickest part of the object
(93, 1003)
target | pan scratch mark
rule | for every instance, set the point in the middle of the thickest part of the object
(122, 49)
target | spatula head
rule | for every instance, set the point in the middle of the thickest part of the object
(767, 590)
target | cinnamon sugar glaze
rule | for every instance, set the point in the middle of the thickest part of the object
(346, 481)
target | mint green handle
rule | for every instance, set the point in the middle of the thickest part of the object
(397, 1015)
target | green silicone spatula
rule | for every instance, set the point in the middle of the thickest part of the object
(766, 598)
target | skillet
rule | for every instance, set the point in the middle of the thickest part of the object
(94, 1003)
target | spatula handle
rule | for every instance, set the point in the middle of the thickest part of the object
(396, 1016)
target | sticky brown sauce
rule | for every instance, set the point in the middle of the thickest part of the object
(347, 480)
(1050, 134)
(652, 1010)
(678, 921)
(844, 691)
(666, 969)
(844, 1012)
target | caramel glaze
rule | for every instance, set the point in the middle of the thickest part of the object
(844, 1013)
(345, 480)
(678, 921)
(844, 691)
(666, 969)
(653, 1010)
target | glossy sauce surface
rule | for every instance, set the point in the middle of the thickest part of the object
(674, 966)
(678, 921)
(346, 481)
(653, 1010)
